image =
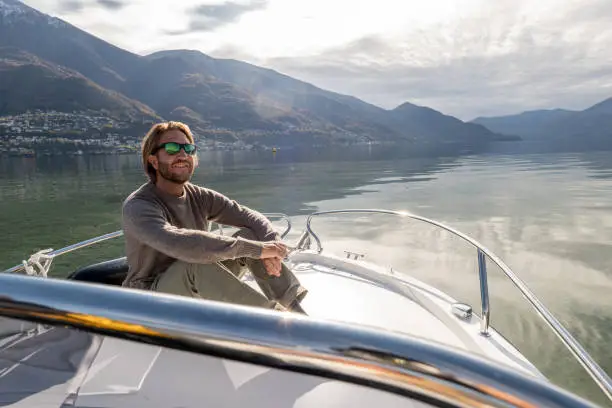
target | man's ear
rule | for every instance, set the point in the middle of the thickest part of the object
(153, 161)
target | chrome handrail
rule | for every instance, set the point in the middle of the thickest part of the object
(282, 216)
(70, 248)
(368, 357)
(285, 218)
(598, 375)
(52, 254)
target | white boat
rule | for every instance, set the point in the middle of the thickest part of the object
(86, 342)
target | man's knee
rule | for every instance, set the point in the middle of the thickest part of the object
(178, 278)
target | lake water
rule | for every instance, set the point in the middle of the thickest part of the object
(549, 217)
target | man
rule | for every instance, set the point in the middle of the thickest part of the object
(169, 248)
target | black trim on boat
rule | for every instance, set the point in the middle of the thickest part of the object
(111, 272)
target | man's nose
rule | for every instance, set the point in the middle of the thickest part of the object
(182, 154)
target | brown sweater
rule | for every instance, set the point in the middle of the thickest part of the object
(160, 228)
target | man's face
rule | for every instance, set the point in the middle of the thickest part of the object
(177, 168)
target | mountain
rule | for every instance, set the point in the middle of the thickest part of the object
(46, 86)
(429, 124)
(591, 127)
(604, 107)
(409, 122)
(526, 124)
(168, 84)
(215, 96)
(61, 43)
(273, 96)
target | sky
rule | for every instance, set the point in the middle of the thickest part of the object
(466, 58)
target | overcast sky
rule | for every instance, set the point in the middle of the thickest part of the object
(463, 57)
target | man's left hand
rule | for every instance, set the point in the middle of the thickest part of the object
(273, 266)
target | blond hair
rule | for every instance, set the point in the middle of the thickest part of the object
(151, 141)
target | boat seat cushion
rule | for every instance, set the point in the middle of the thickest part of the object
(111, 272)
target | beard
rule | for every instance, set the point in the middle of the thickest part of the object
(165, 170)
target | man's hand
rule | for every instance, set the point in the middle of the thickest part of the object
(272, 254)
(273, 266)
(274, 250)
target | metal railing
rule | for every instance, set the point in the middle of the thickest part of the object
(53, 254)
(50, 254)
(580, 354)
(381, 360)
(270, 216)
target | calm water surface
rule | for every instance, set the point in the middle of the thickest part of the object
(547, 216)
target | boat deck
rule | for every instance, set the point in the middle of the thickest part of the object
(356, 292)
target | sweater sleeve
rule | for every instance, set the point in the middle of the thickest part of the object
(226, 211)
(145, 221)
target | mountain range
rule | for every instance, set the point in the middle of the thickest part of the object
(591, 127)
(47, 63)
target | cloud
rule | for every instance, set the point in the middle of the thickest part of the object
(111, 4)
(209, 17)
(486, 64)
(72, 6)
(77, 6)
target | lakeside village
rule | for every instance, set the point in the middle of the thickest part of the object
(50, 133)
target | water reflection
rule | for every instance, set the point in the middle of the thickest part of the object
(53, 201)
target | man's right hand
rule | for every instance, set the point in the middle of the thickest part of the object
(274, 250)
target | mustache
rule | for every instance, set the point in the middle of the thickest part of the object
(181, 162)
